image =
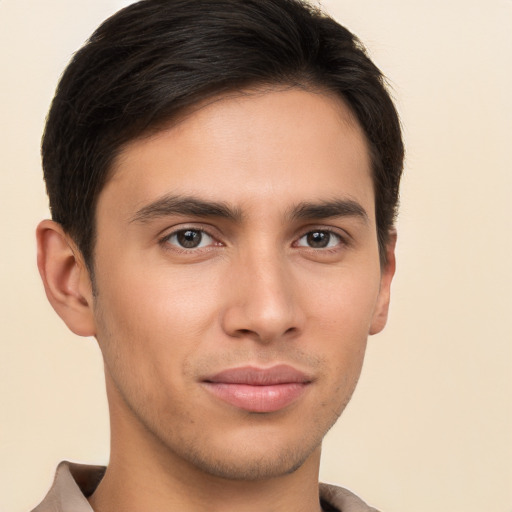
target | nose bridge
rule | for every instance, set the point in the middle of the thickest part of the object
(264, 301)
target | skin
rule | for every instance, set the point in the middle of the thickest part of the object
(256, 292)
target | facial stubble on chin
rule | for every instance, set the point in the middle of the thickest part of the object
(269, 465)
(239, 463)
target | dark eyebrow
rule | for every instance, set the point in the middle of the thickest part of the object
(185, 205)
(329, 209)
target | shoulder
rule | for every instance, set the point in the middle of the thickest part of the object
(71, 486)
(343, 500)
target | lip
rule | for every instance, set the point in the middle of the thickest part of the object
(258, 389)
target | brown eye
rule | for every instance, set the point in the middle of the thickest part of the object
(319, 239)
(190, 239)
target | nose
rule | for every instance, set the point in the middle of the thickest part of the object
(263, 302)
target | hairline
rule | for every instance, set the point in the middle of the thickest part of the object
(251, 88)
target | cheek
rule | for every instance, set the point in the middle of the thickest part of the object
(339, 321)
(343, 301)
(153, 320)
(148, 332)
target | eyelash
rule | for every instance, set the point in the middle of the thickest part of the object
(165, 240)
(342, 241)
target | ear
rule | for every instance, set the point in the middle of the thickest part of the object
(380, 314)
(65, 277)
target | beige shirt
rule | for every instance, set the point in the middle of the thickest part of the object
(75, 482)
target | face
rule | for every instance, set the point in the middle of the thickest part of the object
(238, 277)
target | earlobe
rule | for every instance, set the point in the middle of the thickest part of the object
(65, 277)
(380, 315)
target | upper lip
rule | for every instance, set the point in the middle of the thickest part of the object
(254, 376)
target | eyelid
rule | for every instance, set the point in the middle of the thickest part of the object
(345, 239)
(163, 239)
(344, 236)
(331, 233)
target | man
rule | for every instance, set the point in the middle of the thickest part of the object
(223, 180)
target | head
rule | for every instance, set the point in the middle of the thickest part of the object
(155, 59)
(223, 177)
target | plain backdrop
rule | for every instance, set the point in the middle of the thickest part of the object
(430, 426)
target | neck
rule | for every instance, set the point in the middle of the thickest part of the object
(144, 474)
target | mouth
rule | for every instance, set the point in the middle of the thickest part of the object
(259, 390)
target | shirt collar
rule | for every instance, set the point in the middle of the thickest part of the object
(74, 483)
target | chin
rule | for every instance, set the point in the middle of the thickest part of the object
(243, 466)
(256, 453)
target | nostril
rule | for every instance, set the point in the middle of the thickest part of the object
(241, 333)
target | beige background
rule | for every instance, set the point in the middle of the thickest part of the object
(430, 427)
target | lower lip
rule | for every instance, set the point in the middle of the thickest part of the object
(270, 398)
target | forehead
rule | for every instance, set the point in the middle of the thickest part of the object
(249, 149)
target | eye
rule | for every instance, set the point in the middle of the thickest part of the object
(190, 239)
(320, 239)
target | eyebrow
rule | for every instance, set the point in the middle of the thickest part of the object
(194, 206)
(329, 210)
(185, 205)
